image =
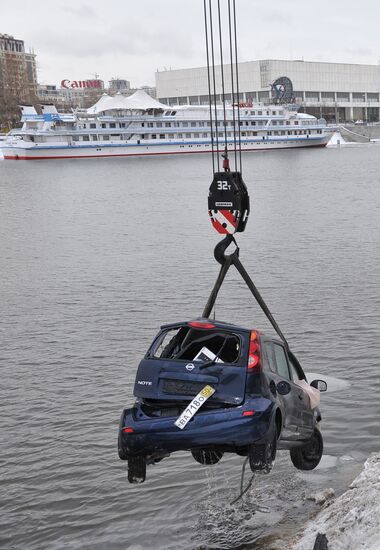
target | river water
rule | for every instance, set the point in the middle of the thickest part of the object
(95, 255)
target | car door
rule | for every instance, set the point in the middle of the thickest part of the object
(277, 371)
(306, 425)
(173, 373)
(297, 399)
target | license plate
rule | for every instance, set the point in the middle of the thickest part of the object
(193, 407)
(179, 387)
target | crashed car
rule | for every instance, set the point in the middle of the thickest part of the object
(210, 387)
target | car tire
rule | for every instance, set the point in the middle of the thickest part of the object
(261, 456)
(123, 455)
(206, 457)
(309, 455)
(136, 469)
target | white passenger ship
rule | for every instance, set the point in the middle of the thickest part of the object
(139, 125)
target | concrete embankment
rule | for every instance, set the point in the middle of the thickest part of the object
(360, 133)
(352, 521)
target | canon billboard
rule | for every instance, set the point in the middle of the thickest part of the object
(66, 83)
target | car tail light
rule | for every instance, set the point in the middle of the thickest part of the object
(200, 324)
(128, 430)
(254, 357)
(248, 413)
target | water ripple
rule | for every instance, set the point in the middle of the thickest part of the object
(92, 263)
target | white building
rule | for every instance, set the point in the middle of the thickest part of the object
(339, 91)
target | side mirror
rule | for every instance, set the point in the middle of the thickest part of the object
(320, 385)
(283, 387)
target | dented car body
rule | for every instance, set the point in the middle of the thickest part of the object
(211, 387)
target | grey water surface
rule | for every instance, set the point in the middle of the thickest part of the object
(94, 256)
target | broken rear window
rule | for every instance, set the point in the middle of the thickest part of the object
(189, 344)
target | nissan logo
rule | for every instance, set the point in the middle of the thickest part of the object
(190, 366)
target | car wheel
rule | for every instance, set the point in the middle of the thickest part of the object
(136, 469)
(123, 455)
(206, 457)
(309, 455)
(262, 456)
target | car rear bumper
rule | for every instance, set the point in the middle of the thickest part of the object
(224, 428)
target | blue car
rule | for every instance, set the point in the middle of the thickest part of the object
(210, 387)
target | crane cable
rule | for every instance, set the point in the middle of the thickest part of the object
(214, 86)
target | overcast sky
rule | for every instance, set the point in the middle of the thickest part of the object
(131, 39)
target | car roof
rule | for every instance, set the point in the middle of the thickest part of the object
(214, 322)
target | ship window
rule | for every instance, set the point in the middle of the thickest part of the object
(94, 138)
(274, 113)
(150, 124)
(173, 113)
(92, 125)
(204, 134)
(159, 124)
(168, 124)
(85, 138)
(104, 125)
(193, 124)
(188, 135)
(184, 124)
(84, 126)
(153, 136)
(162, 136)
(259, 112)
(122, 125)
(296, 122)
(176, 124)
(167, 113)
(115, 136)
(196, 135)
(179, 135)
(274, 123)
(75, 138)
(112, 125)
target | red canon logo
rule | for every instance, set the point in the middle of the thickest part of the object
(81, 83)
